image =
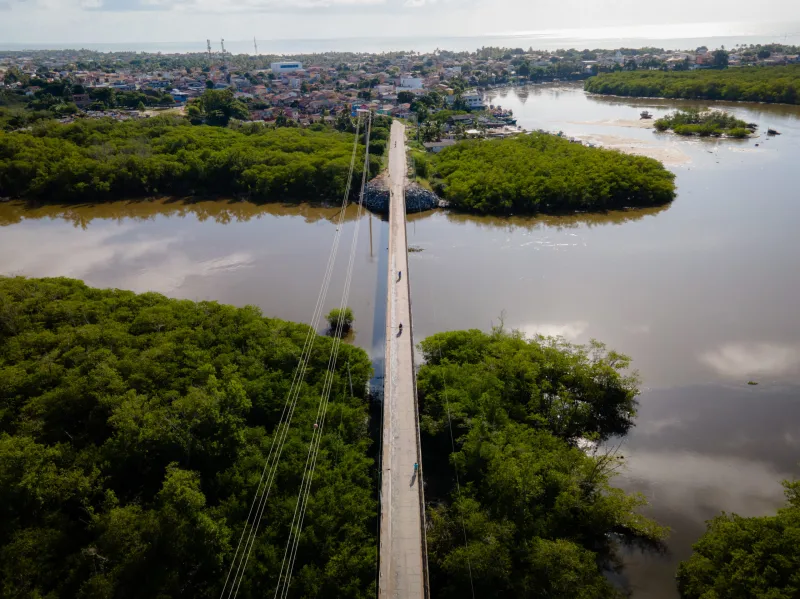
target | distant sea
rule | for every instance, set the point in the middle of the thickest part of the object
(669, 37)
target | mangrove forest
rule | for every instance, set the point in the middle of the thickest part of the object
(103, 159)
(545, 173)
(133, 431)
(773, 84)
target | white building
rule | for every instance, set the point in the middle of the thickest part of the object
(410, 83)
(473, 100)
(286, 67)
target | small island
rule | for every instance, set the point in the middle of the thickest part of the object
(545, 173)
(704, 123)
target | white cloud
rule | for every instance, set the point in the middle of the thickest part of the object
(748, 359)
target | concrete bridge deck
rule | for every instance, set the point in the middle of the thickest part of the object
(403, 564)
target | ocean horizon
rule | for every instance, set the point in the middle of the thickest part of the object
(669, 37)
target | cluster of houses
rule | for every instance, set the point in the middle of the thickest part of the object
(698, 59)
(385, 84)
(289, 88)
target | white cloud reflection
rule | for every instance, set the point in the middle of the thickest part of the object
(568, 330)
(747, 359)
(109, 256)
(692, 484)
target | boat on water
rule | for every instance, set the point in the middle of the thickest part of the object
(645, 115)
(772, 132)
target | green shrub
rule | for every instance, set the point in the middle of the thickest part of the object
(340, 321)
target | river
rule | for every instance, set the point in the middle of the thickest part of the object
(703, 294)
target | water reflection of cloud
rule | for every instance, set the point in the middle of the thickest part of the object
(56, 251)
(638, 329)
(568, 330)
(696, 485)
(108, 256)
(171, 274)
(746, 359)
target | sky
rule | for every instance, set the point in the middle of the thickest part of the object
(144, 21)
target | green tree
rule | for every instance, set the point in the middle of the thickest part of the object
(747, 557)
(106, 95)
(141, 107)
(209, 84)
(340, 321)
(720, 58)
(405, 97)
(220, 106)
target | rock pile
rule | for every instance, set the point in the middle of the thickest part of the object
(376, 195)
(418, 199)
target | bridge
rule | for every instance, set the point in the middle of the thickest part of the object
(402, 552)
(403, 569)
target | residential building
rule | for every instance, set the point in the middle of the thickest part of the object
(410, 83)
(286, 67)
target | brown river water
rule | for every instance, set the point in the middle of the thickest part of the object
(704, 294)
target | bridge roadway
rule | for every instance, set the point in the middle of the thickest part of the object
(403, 563)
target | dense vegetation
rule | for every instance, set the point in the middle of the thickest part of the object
(536, 515)
(754, 558)
(751, 84)
(703, 123)
(133, 431)
(545, 173)
(97, 160)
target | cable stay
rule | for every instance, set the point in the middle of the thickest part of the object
(296, 527)
(249, 533)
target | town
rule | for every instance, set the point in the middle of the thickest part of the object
(303, 90)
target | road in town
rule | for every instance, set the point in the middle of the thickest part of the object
(402, 571)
